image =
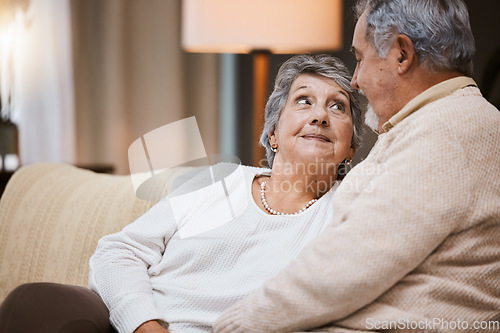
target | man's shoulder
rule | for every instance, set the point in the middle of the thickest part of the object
(463, 115)
(462, 127)
(466, 104)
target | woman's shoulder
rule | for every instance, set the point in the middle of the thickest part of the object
(204, 176)
(251, 170)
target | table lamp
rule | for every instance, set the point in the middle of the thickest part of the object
(261, 27)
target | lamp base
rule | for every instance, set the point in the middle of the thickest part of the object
(9, 145)
(260, 82)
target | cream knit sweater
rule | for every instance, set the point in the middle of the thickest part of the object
(415, 239)
(225, 248)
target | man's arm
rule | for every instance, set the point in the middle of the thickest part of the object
(376, 239)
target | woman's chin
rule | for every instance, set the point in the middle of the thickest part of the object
(318, 153)
(316, 158)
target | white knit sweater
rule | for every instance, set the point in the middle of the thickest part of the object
(225, 249)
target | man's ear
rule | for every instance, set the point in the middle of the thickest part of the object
(407, 56)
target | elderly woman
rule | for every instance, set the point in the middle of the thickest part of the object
(154, 278)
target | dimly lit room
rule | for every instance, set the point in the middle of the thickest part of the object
(151, 135)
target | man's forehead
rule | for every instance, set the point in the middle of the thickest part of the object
(359, 34)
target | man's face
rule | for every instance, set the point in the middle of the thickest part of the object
(375, 76)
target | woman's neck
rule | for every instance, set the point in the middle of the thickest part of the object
(309, 182)
(306, 179)
(292, 185)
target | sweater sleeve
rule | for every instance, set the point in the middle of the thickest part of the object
(418, 197)
(119, 267)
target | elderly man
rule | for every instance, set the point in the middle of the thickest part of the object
(415, 242)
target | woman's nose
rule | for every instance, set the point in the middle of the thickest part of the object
(320, 116)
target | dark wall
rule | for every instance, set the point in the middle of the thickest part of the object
(485, 24)
(484, 18)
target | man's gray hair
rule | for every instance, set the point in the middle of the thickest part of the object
(439, 29)
(324, 65)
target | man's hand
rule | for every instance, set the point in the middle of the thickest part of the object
(151, 326)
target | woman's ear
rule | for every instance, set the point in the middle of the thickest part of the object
(351, 153)
(272, 139)
(406, 51)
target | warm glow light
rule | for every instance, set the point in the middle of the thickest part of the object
(11, 39)
(279, 26)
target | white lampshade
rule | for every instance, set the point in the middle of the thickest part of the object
(278, 26)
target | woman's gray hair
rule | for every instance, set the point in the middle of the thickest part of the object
(439, 29)
(324, 65)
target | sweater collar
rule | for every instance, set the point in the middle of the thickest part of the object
(432, 94)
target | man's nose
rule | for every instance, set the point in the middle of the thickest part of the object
(354, 81)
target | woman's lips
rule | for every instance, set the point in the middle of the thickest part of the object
(319, 137)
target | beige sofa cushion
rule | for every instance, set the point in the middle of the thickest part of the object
(51, 217)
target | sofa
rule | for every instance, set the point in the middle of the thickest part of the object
(52, 215)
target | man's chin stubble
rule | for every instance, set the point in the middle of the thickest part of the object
(371, 118)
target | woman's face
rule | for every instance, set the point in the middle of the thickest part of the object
(316, 125)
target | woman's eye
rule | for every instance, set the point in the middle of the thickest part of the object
(338, 106)
(303, 101)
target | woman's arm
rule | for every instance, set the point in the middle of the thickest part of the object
(151, 326)
(119, 267)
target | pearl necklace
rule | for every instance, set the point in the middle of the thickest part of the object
(272, 211)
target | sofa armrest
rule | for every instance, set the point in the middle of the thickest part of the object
(51, 217)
